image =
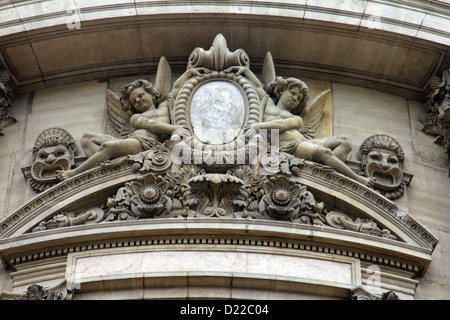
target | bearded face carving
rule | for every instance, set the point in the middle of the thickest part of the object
(382, 159)
(53, 151)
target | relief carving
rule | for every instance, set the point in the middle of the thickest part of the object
(141, 116)
(195, 159)
(66, 219)
(37, 292)
(437, 123)
(238, 193)
(53, 151)
(6, 118)
(363, 294)
(382, 160)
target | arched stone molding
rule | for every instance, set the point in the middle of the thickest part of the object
(26, 251)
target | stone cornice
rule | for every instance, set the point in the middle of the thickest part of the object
(419, 25)
(353, 10)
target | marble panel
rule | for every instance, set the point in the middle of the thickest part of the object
(217, 112)
(84, 268)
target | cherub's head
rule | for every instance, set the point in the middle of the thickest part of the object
(291, 92)
(139, 96)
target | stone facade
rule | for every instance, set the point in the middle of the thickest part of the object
(341, 232)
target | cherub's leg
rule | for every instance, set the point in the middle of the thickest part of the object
(107, 151)
(326, 156)
(91, 142)
(340, 145)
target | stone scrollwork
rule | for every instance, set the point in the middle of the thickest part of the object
(37, 292)
(363, 294)
(238, 193)
(63, 291)
(66, 219)
(218, 57)
(367, 226)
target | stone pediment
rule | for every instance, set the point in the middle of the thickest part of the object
(336, 210)
(249, 173)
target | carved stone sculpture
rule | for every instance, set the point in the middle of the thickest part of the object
(142, 117)
(363, 294)
(438, 107)
(382, 160)
(65, 219)
(6, 118)
(53, 151)
(218, 143)
(340, 220)
(288, 112)
(37, 292)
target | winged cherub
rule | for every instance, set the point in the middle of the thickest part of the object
(148, 121)
(289, 112)
(286, 109)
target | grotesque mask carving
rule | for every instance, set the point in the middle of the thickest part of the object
(382, 159)
(53, 151)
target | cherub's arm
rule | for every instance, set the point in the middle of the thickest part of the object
(139, 121)
(294, 122)
(147, 121)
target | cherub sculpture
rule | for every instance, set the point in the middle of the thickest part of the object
(286, 109)
(141, 116)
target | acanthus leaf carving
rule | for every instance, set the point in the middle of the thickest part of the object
(239, 193)
(63, 291)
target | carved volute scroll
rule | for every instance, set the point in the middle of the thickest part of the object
(218, 57)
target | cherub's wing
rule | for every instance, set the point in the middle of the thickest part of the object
(268, 71)
(163, 77)
(312, 115)
(119, 118)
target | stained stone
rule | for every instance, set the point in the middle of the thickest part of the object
(217, 112)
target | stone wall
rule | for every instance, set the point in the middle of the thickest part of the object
(376, 56)
(356, 112)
